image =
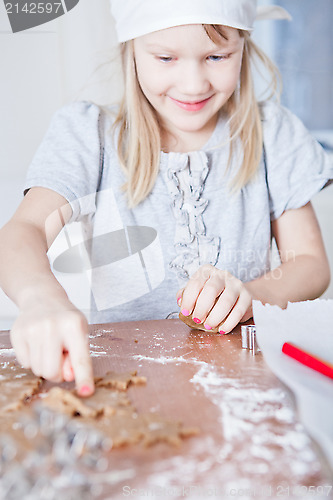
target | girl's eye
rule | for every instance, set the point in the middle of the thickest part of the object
(218, 58)
(164, 58)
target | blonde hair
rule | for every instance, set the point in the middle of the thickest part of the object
(139, 141)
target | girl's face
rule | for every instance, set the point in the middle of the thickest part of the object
(187, 79)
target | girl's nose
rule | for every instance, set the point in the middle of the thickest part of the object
(193, 80)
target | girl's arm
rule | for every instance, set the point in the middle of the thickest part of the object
(304, 272)
(50, 333)
(215, 297)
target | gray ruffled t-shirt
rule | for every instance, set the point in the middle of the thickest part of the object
(135, 260)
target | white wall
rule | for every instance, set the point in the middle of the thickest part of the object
(323, 205)
(45, 67)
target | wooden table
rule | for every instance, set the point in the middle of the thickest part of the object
(251, 443)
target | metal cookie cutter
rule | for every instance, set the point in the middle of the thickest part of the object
(249, 338)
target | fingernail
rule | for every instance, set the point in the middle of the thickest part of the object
(207, 326)
(185, 312)
(221, 332)
(179, 301)
(197, 320)
(85, 390)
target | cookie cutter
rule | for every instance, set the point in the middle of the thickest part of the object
(58, 465)
(249, 341)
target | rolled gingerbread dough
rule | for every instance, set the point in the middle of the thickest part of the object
(109, 409)
(17, 385)
(195, 326)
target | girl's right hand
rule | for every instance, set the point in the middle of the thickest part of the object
(52, 340)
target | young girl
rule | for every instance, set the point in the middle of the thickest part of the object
(182, 190)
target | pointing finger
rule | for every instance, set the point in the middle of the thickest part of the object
(78, 352)
(67, 369)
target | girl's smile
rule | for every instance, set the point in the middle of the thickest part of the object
(191, 106)
(187, 78)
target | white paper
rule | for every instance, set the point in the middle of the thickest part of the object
(309, 325)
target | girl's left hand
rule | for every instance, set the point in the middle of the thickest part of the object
(215, 298)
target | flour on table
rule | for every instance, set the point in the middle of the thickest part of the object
(17, 385)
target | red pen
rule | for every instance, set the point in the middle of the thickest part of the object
(308, 359)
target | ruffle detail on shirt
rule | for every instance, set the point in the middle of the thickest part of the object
(185, 177)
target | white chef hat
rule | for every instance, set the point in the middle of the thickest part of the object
(135, 18)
